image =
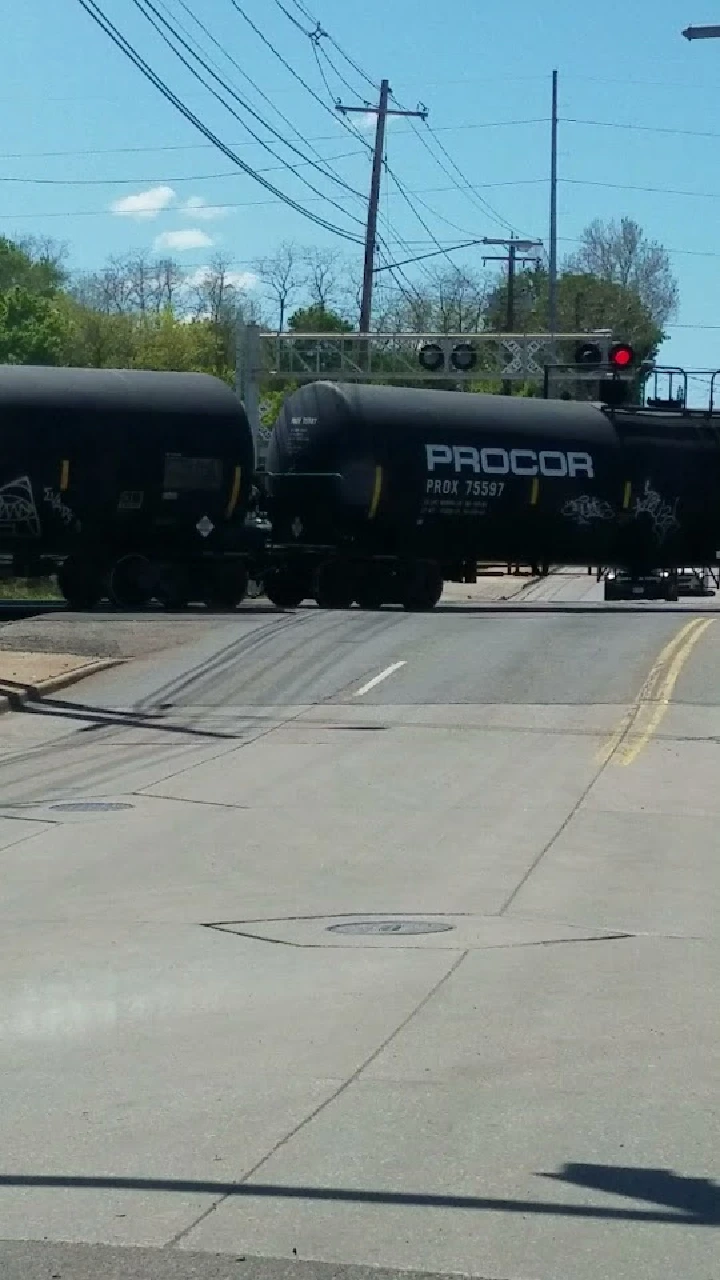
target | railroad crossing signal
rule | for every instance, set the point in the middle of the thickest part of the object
(461, 357)
(620, 356)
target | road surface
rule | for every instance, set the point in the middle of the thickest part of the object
(395, 945)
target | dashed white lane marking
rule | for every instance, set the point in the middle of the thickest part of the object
(382, 675)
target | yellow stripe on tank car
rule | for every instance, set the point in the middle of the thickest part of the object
(626, 495)
(64, 475)
(534, 491)
(377, 490)
(234, 493)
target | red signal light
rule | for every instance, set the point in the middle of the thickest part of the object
(621, 355)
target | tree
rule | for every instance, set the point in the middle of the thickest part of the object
(620, 253)
(449, 301)
(33, 328)
(33, 265)
(318, 319)
(322, 270)
(584, 302)
(280, 277)
(316, 357)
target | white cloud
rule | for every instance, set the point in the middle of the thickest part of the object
(238, 279)
(144, 204)
(198, 207)
(190, 238)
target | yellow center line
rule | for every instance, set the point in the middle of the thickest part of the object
(629, 739)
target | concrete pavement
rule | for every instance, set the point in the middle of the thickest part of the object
(396, 946)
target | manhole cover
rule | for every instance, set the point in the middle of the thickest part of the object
(89, 806)
(391, 926)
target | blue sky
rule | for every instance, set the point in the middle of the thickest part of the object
(639, 133)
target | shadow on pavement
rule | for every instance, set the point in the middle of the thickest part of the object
(105, 717)
(679, 1200)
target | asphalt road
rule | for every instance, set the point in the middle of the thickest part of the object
(399, 950)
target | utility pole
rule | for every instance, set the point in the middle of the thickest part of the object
(513, 245)
(382, 111)
(552, 255)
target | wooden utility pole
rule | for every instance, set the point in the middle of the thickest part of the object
(512, 246)
(382, 111)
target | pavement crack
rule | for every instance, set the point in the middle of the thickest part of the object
(322, 1106)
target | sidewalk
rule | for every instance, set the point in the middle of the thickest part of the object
(493, 585)
(25, 676)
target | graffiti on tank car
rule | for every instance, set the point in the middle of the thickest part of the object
(57, 506)
(18, 512)
(587, 508)
(551, 463)
(663, 515)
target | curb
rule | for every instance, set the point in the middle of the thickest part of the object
(13, 699)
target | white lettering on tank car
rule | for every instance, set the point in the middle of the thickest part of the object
(552, 463)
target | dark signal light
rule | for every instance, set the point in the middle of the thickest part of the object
(588, 353)
(621, 355)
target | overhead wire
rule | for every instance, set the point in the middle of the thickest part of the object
(321, 32)
(133, 182)
(466, 186)
(143, 6)
(203, 146)
(94, 11)
(288, 67)
(364, 75)
(319, 52)
(266, 97)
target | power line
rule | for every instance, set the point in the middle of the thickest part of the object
(204, 146)
(408, 200)
(95, 12)
(642, 128)
(288, 67)
(143, 6)
(241, 204)
(467, 186)
(134, 182)
(364, 75)
(623, 186)
(316, 37)
(266, 97)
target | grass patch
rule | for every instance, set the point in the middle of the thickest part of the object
(29, 589)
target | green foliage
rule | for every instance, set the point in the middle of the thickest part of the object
(33, 328)
(584, 302)
(33, 269)
(318, 319)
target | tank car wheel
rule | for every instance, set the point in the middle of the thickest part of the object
(132, 582)
(370, 598)
(370, 592)
(225, 587)
(80, 585)
(283, 589)
(423, 589)
(335, 588)
(173, 587)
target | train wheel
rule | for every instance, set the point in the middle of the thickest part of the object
(371, 592)
(132, 582)
(173, 587)
(284, 589)
(370, 598)
(423, 588)
(80, 584)
(335, 588)
(226, 586)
